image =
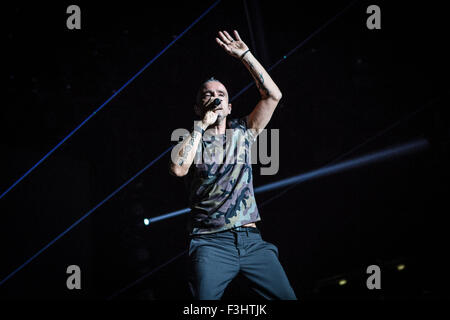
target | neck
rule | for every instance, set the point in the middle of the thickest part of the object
(218, 127)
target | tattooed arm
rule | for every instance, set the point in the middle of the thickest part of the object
(182, 157)
(270, 93)
(182, 160)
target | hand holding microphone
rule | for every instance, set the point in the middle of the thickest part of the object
(211, 114)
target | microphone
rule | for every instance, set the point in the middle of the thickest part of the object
(214, 104)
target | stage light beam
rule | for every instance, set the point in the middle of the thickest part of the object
(388, 153)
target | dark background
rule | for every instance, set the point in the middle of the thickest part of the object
(341, 88)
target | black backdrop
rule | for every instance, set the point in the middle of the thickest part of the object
(341, 88)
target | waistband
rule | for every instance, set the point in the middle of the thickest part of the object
(236, 229)
(245, 229)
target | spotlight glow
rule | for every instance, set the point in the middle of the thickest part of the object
(146, 221)
(400, 267)
(342, 282)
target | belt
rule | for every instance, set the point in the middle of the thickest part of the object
(245, 229)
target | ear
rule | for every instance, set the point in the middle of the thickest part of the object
(229, 106)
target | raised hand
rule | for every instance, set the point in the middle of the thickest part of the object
(234, 47)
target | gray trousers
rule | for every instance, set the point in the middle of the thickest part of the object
(216, 259)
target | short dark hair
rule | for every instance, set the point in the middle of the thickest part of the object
(198, 99)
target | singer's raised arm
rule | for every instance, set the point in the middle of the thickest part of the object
(269, 91)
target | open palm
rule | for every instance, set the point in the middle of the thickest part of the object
(234, 47)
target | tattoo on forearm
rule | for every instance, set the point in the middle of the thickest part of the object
(188, 147)
(261, 86)
(259, 79)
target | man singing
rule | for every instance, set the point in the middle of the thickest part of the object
(224, 239)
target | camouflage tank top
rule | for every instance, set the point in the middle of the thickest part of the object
(221, 182)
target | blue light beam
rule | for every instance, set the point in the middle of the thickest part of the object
(404, 149)
(108, 100)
